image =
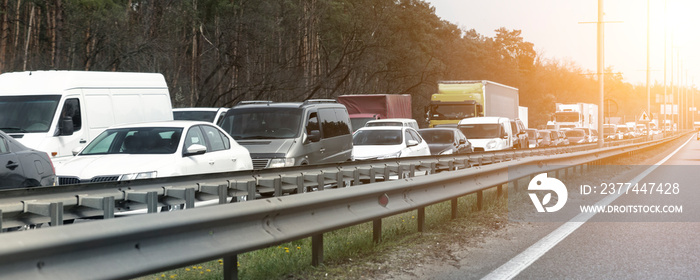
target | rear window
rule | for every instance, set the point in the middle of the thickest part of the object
(377, 137)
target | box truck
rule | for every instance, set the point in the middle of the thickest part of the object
(366, 107)
(457, 100)
(59, 111)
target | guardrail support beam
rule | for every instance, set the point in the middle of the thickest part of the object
(317, 249)
(53, 210)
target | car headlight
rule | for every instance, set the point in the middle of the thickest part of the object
(582, 141)
(446, 152)
(491, 144)
(392, 155)
(140, 175)
(281, 162)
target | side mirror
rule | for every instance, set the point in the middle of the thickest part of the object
(411, 143)
(314, 136)
(195, 149)
(66, 127)
(462, 141)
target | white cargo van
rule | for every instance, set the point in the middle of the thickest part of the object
(58, 111)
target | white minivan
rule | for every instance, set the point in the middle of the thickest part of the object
(488, 133)
(59, 111)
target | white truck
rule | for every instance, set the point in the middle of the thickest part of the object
(60, 111)
(583, 115)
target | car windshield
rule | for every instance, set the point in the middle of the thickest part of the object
(437, 136)
(451, 111)
(205, 116)
(575, 133)
(609, 130)
(263, 123)
(138, 140)
(377, 137)
(623, 129)
(384, 124)
(481, 131)
(27, 113)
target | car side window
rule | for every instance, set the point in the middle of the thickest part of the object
(312, 124)
(415, 135)
(407, 136)
(3, 146)
(71, 109)
(216, 140)
(195, 136)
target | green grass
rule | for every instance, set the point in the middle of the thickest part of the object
(352, 245)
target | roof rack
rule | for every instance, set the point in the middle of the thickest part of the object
(248, 102)
(316, 101)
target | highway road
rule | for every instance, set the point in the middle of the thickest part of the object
(632, 242)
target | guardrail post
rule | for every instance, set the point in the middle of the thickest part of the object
(219, 190)
(106, 204)
(355, 177)
(53, 210)
(187, 194)
(454, 203)
(0, 220)
(433, 167)
(231, 267)
(421, 219)
(411, 170)
(372, 175)
(499, 191)
(149, 198)
(515, 184)
(377, 230)
(479, 200)
(317, 249)
(251, 186)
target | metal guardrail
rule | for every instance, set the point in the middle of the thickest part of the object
(54, 205)
(144, 244)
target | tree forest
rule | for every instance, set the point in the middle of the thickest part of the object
(215, 53)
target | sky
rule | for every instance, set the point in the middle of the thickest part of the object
(562, 30)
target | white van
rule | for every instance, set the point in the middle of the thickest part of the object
(488, 133)
(58, 111)
(206, 114)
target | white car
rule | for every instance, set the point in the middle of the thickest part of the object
(155, 149)
(382, 142)
(488, 133)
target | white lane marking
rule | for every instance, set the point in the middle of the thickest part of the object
(523, 260)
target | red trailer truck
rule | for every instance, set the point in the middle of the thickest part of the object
(365, 107)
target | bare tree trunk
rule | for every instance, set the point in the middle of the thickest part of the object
(29, 33)
(4, 35)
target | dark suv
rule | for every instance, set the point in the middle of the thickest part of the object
(520, 138)
(291, 134)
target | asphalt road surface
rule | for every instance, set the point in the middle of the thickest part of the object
(646, 233)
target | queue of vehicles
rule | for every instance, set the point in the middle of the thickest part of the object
(111, 126)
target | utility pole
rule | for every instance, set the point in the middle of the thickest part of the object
(600, 67)
(648, 75)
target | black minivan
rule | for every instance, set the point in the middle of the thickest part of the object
(291, 134)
